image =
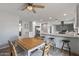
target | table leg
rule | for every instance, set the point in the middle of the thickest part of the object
(15, 43)
(29, 53)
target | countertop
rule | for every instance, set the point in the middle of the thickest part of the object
(73, 35)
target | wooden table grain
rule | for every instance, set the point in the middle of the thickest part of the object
(30, 44)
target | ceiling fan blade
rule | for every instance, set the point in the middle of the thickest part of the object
(30, 4)
(33, 11)
(24, 8)
(38, 6)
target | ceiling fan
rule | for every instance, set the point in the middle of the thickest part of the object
(32, 7)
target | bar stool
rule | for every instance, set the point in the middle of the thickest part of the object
(52, 42)
(68, 46)
(42, 37)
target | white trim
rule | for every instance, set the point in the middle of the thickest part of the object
(37, 47)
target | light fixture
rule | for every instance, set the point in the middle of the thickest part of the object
(19, 24)
(65, 14)
(50, 17)
(29, 8)
(34, 23)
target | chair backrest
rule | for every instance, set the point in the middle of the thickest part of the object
(46, 50)
(12, 49)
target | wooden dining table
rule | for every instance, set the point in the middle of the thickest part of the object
(30, 44)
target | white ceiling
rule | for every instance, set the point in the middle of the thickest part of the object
(54, 10)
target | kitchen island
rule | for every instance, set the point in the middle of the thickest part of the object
(74, 40)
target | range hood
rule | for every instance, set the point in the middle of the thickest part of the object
(62, 28)
(62, 23)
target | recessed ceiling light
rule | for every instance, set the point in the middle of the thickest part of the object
(19, 24)
(65, 14)
(50, 17)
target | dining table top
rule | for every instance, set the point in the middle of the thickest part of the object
(29, 43)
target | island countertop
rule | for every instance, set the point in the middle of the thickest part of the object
(72, 35)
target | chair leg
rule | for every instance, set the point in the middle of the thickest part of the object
(48, 54)
(43, 53)
(69, 49)
(62, 46)
(10, 54)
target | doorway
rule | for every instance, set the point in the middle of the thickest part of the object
(37, 31)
